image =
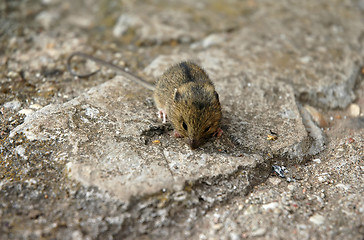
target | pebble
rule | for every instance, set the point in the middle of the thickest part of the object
(322, 195)
(319, 199)
(20, 150)
(26, 111)
(202, 236)
(277, 211)
(124, 23)
(343, 186)
(291, 187)
(302, 226)
(91, 112)
(212, 40)
(234, 236)
(274, 180)
(361, 208)
(180, 196)
(35, 106)
(34, 214)
(15, 105)
(354, 110)
(317, 160)
(317, 219)
(46, 2)
(305, 59)
(217, 226)
(77, 235)
(46, 18)
(31, 181)
(258, 232)
(12, 74)
(322, 178)
(270, 206)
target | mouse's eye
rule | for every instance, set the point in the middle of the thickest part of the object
(207, 129)
(184, 125)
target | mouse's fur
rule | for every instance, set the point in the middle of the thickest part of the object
(188, 97)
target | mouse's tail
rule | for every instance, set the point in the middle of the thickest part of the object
(118, 69)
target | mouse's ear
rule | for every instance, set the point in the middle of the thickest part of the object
(177, 95)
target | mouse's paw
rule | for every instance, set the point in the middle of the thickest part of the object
(162, 115)
(218, 132)
(176, 134)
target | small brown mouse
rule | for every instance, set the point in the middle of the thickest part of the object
(184, 93)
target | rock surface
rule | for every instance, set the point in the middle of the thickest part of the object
(110, 132)
(96, 163)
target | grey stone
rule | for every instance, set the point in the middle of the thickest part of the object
(270, 206)
(277, 54)
(126, 22)
(258, 232)
(47, 18)
(354, 110)
(254, 51)
(26, 111)
(209, 41)
(317, 219)
(14, 105)
(106, 131)
(164, 27)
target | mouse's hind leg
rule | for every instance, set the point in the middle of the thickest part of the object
(162, 115)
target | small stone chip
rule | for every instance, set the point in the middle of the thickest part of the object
(258, 232)
(26, 111)
(270, 206)
(156, 141)
(354, 110)
(35, 106)
(34, 214)
(317, 219)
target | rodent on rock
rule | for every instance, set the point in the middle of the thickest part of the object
(184, 94)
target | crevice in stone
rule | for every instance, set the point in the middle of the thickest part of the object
(310, 146)
(335, 95)
(201, 196)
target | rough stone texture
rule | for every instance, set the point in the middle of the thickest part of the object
(87, 165)
(106, 136)
(322, 200)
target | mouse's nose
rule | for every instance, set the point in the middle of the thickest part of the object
(194, 143)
